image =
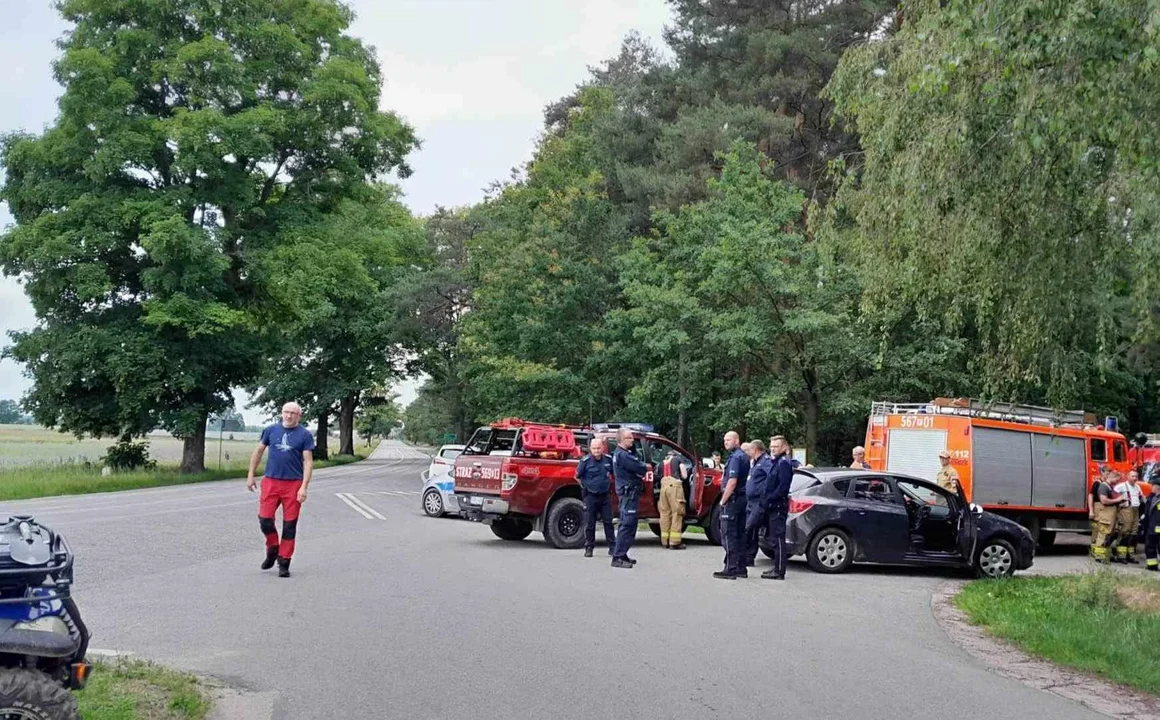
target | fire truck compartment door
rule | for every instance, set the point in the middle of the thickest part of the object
(1001, 471)
(915, 452)
(1059, 471)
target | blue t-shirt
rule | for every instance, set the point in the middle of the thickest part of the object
(286, 448)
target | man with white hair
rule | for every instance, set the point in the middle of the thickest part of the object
(859, 454)
(284, 482)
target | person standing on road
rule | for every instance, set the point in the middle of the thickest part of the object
(1152, 531)
(594, 473)
(287, 476)
(756, 512)
(672, 503)
(629, 471)
(859, 454)
(1102, 504)
(777, 507)
(1128, 519)
(948, 477)
(733, 509)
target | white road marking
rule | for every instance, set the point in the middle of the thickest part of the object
(366, 507)
(343, 497)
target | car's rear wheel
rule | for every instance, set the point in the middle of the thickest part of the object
(713, 527)
(433, 503)
(564, 526)
(996, 559)
(830, 551)
(511, 529)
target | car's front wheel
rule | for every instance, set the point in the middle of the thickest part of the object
(830, 551)
(433, 502)
(996, 559)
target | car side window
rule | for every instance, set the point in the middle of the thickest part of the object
(874, 490)
(1099, 450)
(1120, 451)
(923, 494)
(842, 486)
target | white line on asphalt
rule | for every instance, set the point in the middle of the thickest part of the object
(366, 507)
(343, 497)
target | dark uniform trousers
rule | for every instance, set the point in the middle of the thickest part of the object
(775, 536)
(598, 505)
(733, 534)
(756, 517)
(629, 501)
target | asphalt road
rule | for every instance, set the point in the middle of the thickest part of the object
(409, 616)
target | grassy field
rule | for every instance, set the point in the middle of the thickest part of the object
(1101, 622)
(59, 464)
(137, 690)
(34, 445)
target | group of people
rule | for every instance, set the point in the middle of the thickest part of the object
(755, 495)
(1116, 507)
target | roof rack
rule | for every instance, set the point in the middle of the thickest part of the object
(967, 407)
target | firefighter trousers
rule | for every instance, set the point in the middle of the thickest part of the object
(1103, 525)
(1127, 525)
(672, 510)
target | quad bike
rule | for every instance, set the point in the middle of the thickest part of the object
(42, 638)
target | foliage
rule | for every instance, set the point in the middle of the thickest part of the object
(379, 417)
(431, 416)
(1008, 188)
(128, 455)
(10, 412)
(193, 141)
(130, 689)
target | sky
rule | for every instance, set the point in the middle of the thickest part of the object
(472, 77)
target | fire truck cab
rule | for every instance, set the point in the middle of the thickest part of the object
(1028, 463)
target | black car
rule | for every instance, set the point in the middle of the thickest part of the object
(839, 516)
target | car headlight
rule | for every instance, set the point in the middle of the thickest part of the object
(47, 623)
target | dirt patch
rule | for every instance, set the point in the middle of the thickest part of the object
(1140, 598)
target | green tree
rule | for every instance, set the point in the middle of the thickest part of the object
(9, 412)
(191, 139)
(431, 416)
(379, 417)
(1008, 193)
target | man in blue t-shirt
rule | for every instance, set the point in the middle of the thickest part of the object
(287, 475)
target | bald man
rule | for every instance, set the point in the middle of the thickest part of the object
(733, 509)
(284, 483)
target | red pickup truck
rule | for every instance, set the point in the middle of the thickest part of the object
(517, 477)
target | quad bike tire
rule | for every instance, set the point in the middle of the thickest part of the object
(32, 695)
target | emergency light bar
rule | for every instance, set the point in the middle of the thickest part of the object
(640, 427)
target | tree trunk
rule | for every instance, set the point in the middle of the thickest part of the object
(346, 424)
(322, 439)
(812, 404)
(193, 449)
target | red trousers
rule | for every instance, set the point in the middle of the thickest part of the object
(274, 493)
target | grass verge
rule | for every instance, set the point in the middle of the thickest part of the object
(1100, 622)
(138, 690)
(34, 481)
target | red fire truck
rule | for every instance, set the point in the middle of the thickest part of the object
(519, 477)
(1028, 463)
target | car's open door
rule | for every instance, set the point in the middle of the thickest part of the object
(968, 526)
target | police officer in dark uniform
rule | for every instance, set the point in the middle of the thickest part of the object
(756, 512)
(629, 472)
(777, 506)
(1151, 523)
(733, 510)
(594, 473)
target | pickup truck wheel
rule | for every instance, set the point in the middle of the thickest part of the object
(713, 527)
(564, 527)
(510, 529)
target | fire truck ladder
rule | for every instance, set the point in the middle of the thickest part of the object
(1009, 412)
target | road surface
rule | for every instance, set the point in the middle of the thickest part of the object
(393, 614)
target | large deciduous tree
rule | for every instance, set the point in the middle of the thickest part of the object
(192, 138)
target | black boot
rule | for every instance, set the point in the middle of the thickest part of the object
(271, 556)
(283, 567)
(587, 552)
(621, 563)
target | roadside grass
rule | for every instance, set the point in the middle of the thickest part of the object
(1101, 622)
(138, 690)
(34, 481)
